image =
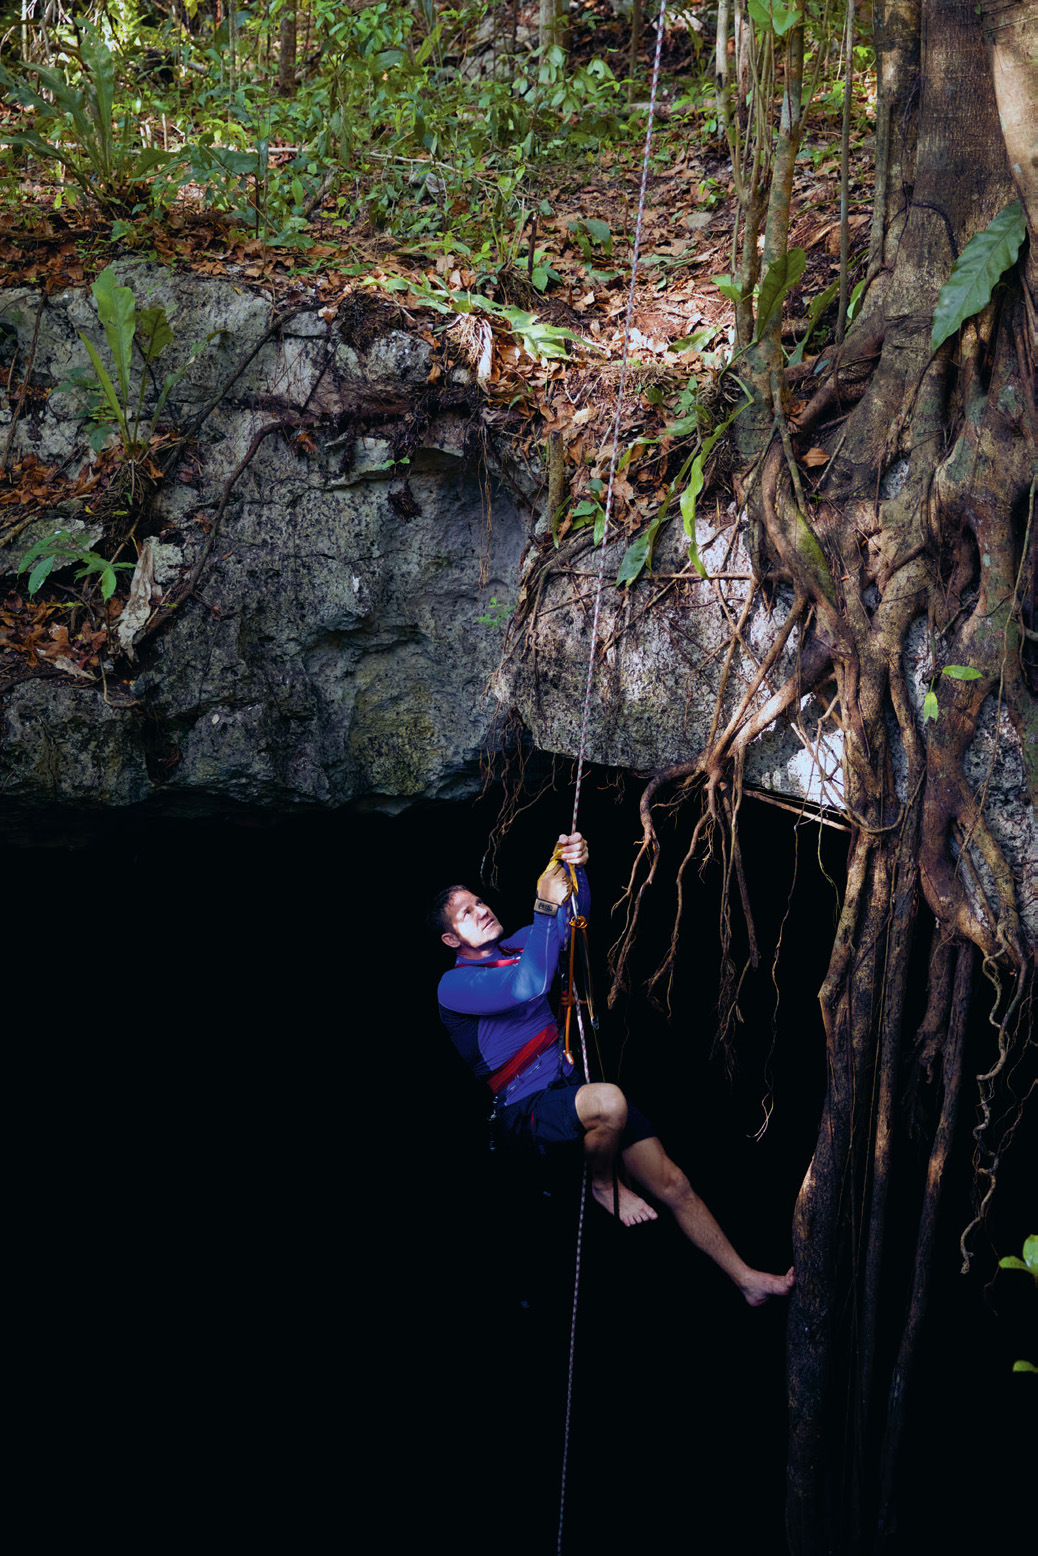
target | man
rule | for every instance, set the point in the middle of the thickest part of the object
(494, 1004)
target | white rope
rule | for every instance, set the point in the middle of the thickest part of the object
(617, 422)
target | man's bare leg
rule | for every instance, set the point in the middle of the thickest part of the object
(602, 1109)
(652, 1168)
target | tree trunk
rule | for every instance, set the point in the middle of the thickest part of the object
(923, 518)
(287, 53)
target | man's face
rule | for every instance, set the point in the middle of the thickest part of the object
(473, 925)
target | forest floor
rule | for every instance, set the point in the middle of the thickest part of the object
(542, 326)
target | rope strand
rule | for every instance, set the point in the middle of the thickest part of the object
(617, 423)
(618, 418)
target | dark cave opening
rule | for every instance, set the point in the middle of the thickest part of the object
(270, 1200)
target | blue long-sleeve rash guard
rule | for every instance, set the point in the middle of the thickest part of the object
(490, 1012)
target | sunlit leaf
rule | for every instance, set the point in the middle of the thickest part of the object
(930, 708)
(961, 672)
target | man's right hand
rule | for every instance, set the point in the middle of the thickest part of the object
(554, 885)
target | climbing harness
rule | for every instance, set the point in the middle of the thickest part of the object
(574, 1004)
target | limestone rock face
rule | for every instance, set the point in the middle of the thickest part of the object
(333, 651)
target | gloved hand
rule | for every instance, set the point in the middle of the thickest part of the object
(554, 885)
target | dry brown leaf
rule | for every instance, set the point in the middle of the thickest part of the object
(815, 456)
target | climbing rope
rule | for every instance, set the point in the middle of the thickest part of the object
(617, 420)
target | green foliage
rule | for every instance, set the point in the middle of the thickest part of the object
(77, 128)
(975, 273)
(773, 17)
(956, 673)
(779, 279)
(109, 404)
(62, 549)
(1029, 1265)
(689, 481)
(818, 307)
(497, 614)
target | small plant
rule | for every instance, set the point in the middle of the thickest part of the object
(61, 550)
(1029, 1265)
(77, 129)
(497, 614)
(125, 325)
(957, 673)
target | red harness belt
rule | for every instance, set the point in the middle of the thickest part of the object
(528, 1052)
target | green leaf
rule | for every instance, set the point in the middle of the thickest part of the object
(40, 572)
(855, 302)
(599, 231)
(727, 287)
(153, 332)
(783, 274)
(1024, 1366)
(818, 307)
(930, 709)
(634, 560)
(1011, 1262)
(688, 508)
(107, 387)
(116, 309)
(694, 342)
(774, 17)
(975, 272)
(1031, 1254)
(961, 672)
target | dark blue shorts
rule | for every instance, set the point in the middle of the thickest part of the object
(549, 1119)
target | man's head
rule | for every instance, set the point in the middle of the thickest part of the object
(463, 921)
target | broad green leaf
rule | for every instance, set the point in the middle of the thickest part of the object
(774, 17)
(101, 66)
(961, 672)
(1031, 1254)
(727, 287)
(153, 332)
(107, 582)
(634, 560)
(694, 342)
(116, 309)
(1024, 1366)
(784, 273)
(683, 425)
(639, 553)
(688, 509)
(599, 231)
(930, 708)
(40, 572)
(1011, 1262)
(975, 272)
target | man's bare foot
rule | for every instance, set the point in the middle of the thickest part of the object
(633, 1209)
(758, 1286)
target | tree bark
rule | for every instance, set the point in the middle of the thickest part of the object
(923, 517)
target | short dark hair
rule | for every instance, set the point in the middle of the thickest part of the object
(436, 917)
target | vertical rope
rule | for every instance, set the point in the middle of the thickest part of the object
(617, 421)
(572, 1350)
